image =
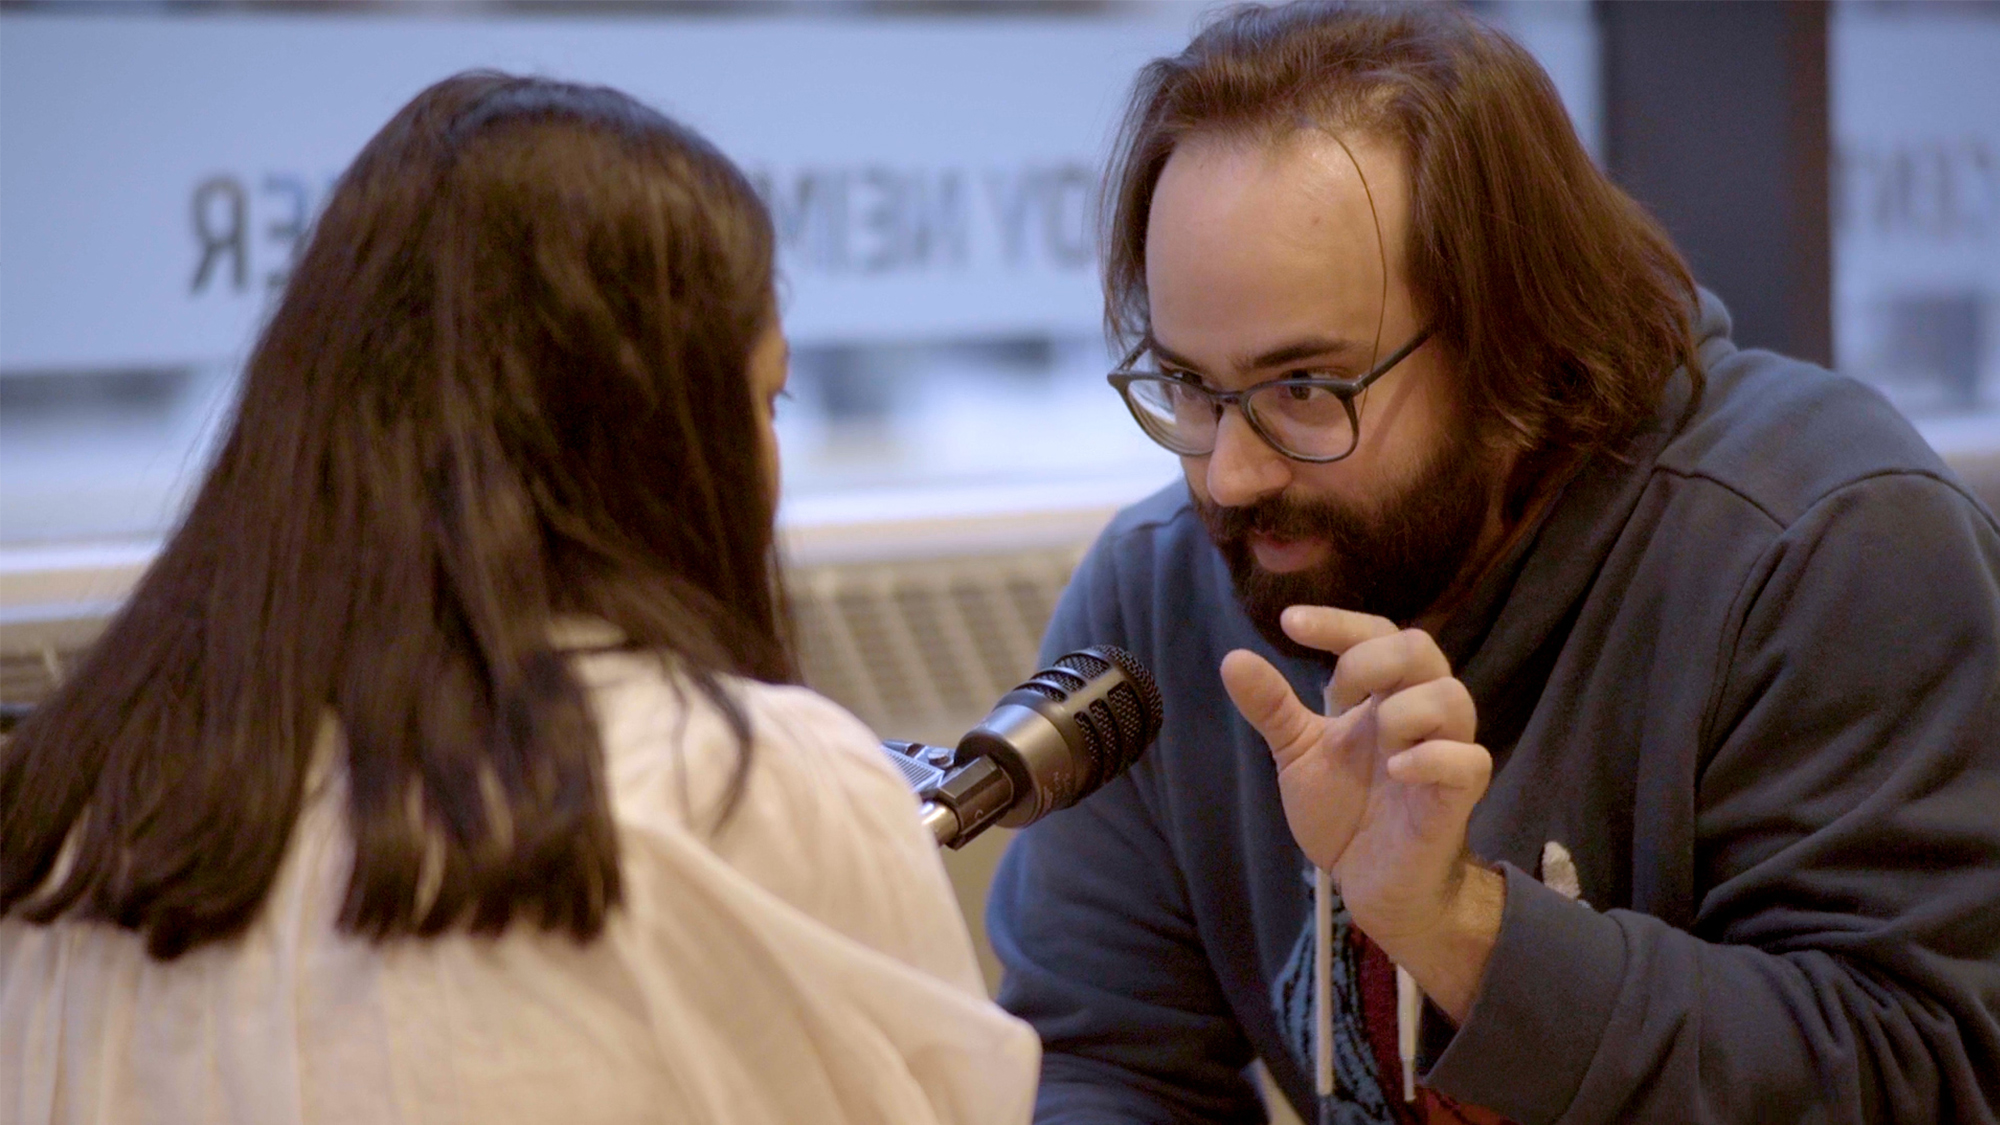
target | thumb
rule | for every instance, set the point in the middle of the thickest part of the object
(1265, 698)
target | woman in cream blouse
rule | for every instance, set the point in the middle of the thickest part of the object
(444, 767)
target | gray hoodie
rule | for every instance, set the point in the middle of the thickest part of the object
(1745, 680)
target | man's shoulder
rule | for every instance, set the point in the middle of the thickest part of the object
(1145, 533)
(1167, 516)
(1783, 435)
(1153, 558)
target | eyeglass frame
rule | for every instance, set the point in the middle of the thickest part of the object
(1346, 390)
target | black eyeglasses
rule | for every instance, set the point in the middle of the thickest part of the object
(1309, 419)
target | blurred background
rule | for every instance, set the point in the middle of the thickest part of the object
(1832, 170)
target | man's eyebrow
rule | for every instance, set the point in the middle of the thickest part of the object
(1170, 357)
(1312, 347)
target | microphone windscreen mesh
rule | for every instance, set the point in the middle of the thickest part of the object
(1086, 663)
(1140, 712)
(1117, 725)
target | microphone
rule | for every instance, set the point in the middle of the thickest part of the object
(1045, 746)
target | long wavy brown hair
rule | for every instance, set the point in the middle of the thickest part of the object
(1565, 307)
(507, 382)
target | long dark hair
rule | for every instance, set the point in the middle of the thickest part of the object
(507, 382)
(1565, 306)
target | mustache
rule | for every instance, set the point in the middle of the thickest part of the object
(1279, 517)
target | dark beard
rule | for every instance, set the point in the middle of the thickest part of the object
(1395, 563)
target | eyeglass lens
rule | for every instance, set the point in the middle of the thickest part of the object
(1303, 421)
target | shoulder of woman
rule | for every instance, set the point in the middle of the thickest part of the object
(803, 716)
(659, 728)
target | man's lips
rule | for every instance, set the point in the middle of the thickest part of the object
(1282, 556)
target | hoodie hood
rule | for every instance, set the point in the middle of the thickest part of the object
(1503, 645)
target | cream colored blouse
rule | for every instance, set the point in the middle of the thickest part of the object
(806, 963)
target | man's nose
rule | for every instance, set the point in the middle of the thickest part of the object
(1243, 467)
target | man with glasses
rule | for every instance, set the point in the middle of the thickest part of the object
(1656, 775)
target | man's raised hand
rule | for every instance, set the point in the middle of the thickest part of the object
(1379, 793)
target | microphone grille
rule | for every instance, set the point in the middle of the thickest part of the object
(1087, 663)
(1066, 680)
(1100, 741)
(1118, 726)
(1135, 706)
(1126, 709)
(1098, 709)
(1049, 692)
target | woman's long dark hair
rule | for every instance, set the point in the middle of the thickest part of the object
(508, 382)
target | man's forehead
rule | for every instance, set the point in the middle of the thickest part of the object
(1313, 175)
(1254, 247)
(1306, 346)
(1302, 202)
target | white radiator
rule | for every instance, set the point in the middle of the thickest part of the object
(919, 648)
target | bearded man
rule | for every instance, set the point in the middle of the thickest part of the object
(1659, 771)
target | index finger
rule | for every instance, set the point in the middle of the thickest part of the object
(1333, 630)
(1386, 665)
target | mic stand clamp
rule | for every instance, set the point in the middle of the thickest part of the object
(959, 801)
